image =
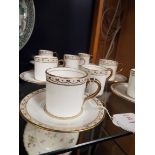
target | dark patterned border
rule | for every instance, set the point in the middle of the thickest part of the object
(72, 57)
(66, 82)
(107, 62)
(95, 72)
(46, 59)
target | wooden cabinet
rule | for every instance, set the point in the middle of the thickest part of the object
(123, 51)
(108, 14)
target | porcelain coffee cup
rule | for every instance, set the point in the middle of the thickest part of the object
(65, 91)
(41, 63)
(47, 52)
(84, 58)
(109, 64)
(99, 73)
(72, 61)
(131, 84)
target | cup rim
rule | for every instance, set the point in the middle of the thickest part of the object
(66, 68)
(45, 56)
(40, 50)
(71, 56)
(113, 62)
(100, 68)
(84, 54)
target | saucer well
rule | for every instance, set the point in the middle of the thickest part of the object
(119, 78)
(120, 89)
(32, 110)
(28, 76)
(39, 141)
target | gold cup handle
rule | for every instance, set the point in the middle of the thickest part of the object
(63, 63)
(96, 92)
(111, 72)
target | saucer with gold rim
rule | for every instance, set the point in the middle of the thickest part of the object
(33, 111)
(28, 76)
(39, 141)
(120, 89)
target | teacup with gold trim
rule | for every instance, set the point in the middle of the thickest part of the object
(99, 73)
(84, 58)
(65, 91)
(41, 63)
(107, 63)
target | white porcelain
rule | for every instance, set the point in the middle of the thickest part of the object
(109, 64)
(28, 76)
(131, 84)
(38, 141)
(84, 58)
(65, 89)
(43, 62)
(72, 61)
(32, 110)
(47, 52)
(98, 73)
(120, 89)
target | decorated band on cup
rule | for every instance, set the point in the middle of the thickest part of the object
(45, 59)
(58, 76)
(97, 70)
(47, 52)
(107, 62)
(71, 57)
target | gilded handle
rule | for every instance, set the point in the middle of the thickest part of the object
(96, 92)
(111, 72)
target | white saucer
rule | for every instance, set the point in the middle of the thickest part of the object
(39, 141)
(32, 110)
(120, 89)
(28, 76)
(119, 78)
